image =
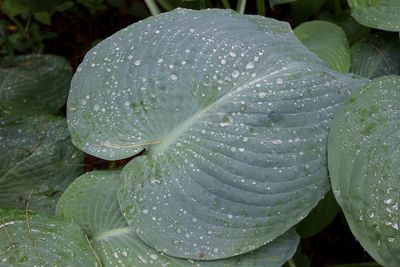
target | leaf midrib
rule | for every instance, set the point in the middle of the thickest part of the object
(186, 124)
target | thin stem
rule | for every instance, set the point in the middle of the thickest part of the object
(152, 6)
(241, 5)
(8, 234)
(165, 4)
(226, 4)
(93, 251)
(261, 7)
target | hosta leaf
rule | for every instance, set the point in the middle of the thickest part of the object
(376, 55)
(28, 240)
(326, 40)
(91, 201)
(378, 14)
(364, 160)
(234, 113)
(33, 84)
(38, 161)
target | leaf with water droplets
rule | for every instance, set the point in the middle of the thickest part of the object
(364, 163)
(326, 40)
(378, 14)
(33, 84)
(234, 112)
(376, 55)
(28, 239)
(37, 162)
(91, 201)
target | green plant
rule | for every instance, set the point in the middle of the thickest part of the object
(230, 115)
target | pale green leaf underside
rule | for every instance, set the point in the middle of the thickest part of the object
(326, 40)
(33, 84)
(37, 157)
(37, 240)
(376, 55)
(378, 14)
(91, 201)
(234, 112)
(364, 162)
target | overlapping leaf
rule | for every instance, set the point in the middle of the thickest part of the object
(33, 84)
(234, 113)
(379, 14)
(326, 40)
(364, 160)
(37, 162)
(28, 240)
(91, 201)
(376, 55)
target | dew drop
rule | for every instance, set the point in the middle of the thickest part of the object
(137, 62)
(235, 74)
(262, 95)
(173, 77)
(249, 65)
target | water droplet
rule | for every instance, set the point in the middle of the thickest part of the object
(232, 54)
(262, 95)
(173, 77)
(235, 74)
(137, 62)
(96, 107)
(279, 81)
(249, 65)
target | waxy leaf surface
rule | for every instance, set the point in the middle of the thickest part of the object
(364, 164)
(37, 162)
(91, 201)
(234, 113)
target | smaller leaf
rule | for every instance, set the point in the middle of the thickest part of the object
(33, 84)
(91, 201)
(376, 55)
(364, 164)
(378, 14)
(326, 40)
(35, 240)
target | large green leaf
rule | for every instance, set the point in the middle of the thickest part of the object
(364, 163)
(33, 84)
(379, 14)
(91, 201)
(326, 40)
(376, 55)
(38, 161)
(234, 113)
(28, 240)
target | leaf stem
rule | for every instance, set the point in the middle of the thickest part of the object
(152, 6)
(261, 7)
(241, 5)
(165, 4)
(93, 251)
(8, 234)
(226, 4)
(28, 226)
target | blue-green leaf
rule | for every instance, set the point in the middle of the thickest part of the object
(376, 55)
(28, 240)
(33, 84)
(38, 161)
(378, 14)
(91, 201)
(364, 163)
(234, 113)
